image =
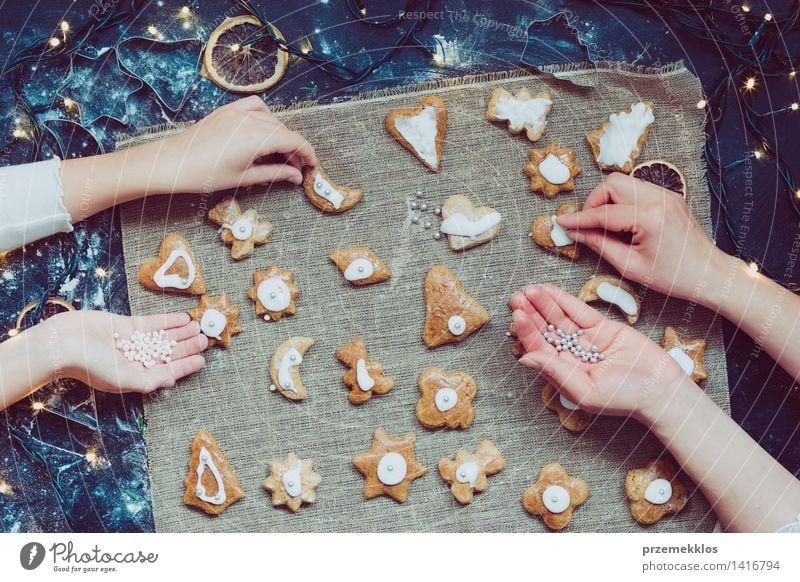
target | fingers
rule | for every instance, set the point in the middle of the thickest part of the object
(529, 331)
(563, 372)
(252, 103)
(613, 217)
(282, 140)
(166, 321)
(189, 347)
(519, 301)
(166, 375)
(269, 173)
(616, 188)
(579, 312)
(609, 247)
(184, 332)
(549, 309)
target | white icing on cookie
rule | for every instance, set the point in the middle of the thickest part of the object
(291, 480)
(445, 399)
(365, 381)
(242, 229)
(556, 499)
(274, 294)
(213, 323)
(206, 461)
(658, 492)
(567, 403)
(456, 324)
(359, 269)
(558, 235)
(617, 296)
(683, 359)
(554, 169)
(325, 190)
(467, 473)
(290, 359)
(461, 225)
(620, 140)
(420, 131)
(392, 469)
(175, 280)
(521, 113)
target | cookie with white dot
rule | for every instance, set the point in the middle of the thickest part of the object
(555, 496)
(570, 415)
(326, 194)
(360, 266)
(292, 481)
(467, 473)
(446, 398)
(389, 466)
(211, 483)
(364, 378)
(451, 314)
(274, 293)
(241, 231)
(284, 369)
(654, 491)
(218, 319)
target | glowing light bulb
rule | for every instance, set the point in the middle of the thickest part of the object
(186, 11)
(5, 488)
(37, 406)
(90, 456)
(18, 133)
(702, 103)
(768, 16)
(438, 58)
(100, 272)
(792, 74)
(797, 194)
(745, 8)
(794, 106)
(54, 42)
(757, 154)
(750, 84)
(152, 30)
(68, 103)
(64, 26)
(752, 268)
(364, 10)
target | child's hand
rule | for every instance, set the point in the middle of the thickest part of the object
(82, 346)
(636, 378)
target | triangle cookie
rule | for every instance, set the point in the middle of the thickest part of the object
(421, 130)
(452, 314)
(211, 483)
(175, 270)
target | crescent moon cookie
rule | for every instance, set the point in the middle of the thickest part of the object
(364, 378)
(175, 270)
(654, 491)
(274, 293)
(555, 496)
(326, 194)
(467, 226)
(218, 319)
(570, 416)
(239, 230)
(615, 291)
(292, 481)
(389, 466)
(360, 266)
(211, 483)
(548, 234)
(552, 170)
(421, 130)
(467, 472)
(284, 368)
(687, 352)
(523, 110)
(452, 314)
(446, 399)
(618, 141)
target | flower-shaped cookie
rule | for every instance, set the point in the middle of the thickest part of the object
(240, 230)
(654, 491)
(389, 466)
(211, 483)
(554, 496)
(218, 319)
(446, 399)
(548, 234)
(360, 266)
(569, 415)
(176, 269)
(552, 170)
(615, 291)
(274, 293)
(452, 314)
(364, 378)
(468, 472)
(292, 481)
(688, 352)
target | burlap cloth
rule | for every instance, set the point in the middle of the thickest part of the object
(230, 397)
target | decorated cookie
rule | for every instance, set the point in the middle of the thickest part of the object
(655, 491)
(218, 319)
(274, 293)
(612, 290)
(548, 234)
(467, 226)
(452, 314)
(364, 378)
(446, 399)
(552, 170)
(211, 483)
(618, 141)
(239, 230)
(467, 472)
(569, 415)
(175, 270)
(292, 481)
(327, 195)
(687, 352)
(389, 466)
(555, 496)
(284, 368)
(421, 130)
(523, 110)
(360, 266)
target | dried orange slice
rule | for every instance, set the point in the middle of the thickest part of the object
(244, 68)
(661, 173)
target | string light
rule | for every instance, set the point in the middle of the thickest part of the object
(37, 406)
(794, 106)
(752, 268)
(792, 74)
(5, 488)
(54, 42)
(64, 26)
(68, 103)
(702, 103)
(90, 456)
(768, 16)
(750, 84)
(186, 11)
(797, 194)
(364, 10)
(18, 133)
(100, 272)
(757, 154)
(745, 8)
(152, 30)
(438, 59)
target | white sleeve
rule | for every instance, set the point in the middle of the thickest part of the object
(31, 205)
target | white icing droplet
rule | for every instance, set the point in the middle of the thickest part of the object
(242, 229)
(420, 132)
(554, 170)
(392, 469)
(620, 140)
(274, 294)
(467, 473)
(213, 323)
(456, 324)
(522, 113)
(617, 296)
(291, 480)
(365, 381)
(445, 399)
(461, 225)
(174, 280)
(558, 235)
(567, 403)
(206, 461)
(290, 359)
(683, 359)
(326, 190)
(359, 269)
(556, 499)
(658, 492)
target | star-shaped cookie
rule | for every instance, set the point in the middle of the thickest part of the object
(555, 496)
(654, 491)
(452, 314)
(292, 481)
(175, 269)
(218, 319)
(239, 230)
(570, 416)
(274, 293)
(467, 472)
(389, 466)
(211, 483)
(446, 399)
(552, 170)
(364, 378)
(688, 352)
(360, 266)
(548, 234)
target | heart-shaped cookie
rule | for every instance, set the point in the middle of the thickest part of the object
(467, 226)
(175, 269)
(421, 130)
(452, 314)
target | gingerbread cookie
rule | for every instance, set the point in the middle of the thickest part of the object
(218, 319)
(467, 226)
(552, 170)
(523, 110)
(211, 483)
(175, 270)
(612, 290)
(292, 481)
(284, 368)
(446, 399)
(326, 194)
(421, 130)
(360, 266)
(618, 141)
(452, 314)
(389, 466)
(274, 293)
(687, 352)
(655, 491)
(239, 230)
(468, 472)
(555, 496)
(569, 414)
(548, 234)
(364, 378)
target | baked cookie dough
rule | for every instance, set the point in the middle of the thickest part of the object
(615, 291)
(284, 368)
(360, 266)
(326, 194)
(548, 234)
(619, 140)
(687, 352)
(452, 314)
(364, 378)
(552, 170)
(466, 225)
(555, 496)
(569, 414)
(274, 292)
(211, 483)
(218, 319)
(522, 110)
(467, 472)
(446, 399)
(292, 481)
(654, 491)
(389, 466)
(241, 231)
(175, 270)
(421, 130)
